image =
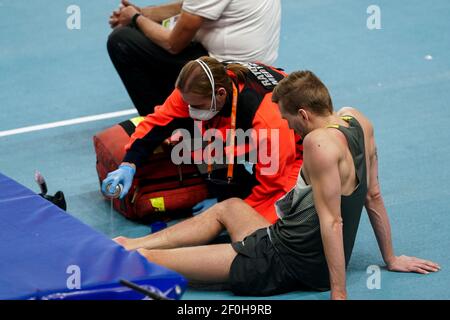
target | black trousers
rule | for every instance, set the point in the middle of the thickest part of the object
(148, 71)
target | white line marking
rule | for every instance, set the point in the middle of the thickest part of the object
(67, 122)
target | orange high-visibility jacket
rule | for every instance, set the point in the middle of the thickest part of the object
(255, 110)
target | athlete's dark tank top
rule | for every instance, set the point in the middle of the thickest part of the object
(296, 235)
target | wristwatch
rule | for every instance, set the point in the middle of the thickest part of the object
(133, 20)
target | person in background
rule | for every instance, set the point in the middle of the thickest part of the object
(148, 53)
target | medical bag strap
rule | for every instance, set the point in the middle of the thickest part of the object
(232, 137)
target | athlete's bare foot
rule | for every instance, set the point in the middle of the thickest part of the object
(128, 243)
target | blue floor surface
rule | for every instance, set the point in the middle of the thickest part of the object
(49, 73)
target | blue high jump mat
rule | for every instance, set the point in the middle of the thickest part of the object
(45, 253)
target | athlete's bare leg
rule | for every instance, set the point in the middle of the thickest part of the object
(234, 215)
(201, 264)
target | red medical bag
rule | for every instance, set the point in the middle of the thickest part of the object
(161, 190)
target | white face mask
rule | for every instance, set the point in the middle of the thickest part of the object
(200, 114)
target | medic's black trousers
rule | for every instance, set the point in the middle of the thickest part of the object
(147, 71)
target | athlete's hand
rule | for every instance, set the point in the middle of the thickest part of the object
(412, 264)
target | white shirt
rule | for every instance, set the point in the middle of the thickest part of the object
(242, 30)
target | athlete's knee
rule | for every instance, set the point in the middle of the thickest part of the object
(228, 208)
(233, 202)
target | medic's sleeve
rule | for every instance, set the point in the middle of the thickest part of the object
(157, 127)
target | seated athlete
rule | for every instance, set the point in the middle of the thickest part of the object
(311, 243)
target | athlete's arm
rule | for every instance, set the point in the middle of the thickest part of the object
(375, 207)
(321, 163)
(380, 223)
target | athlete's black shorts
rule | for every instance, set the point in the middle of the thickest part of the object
(257, 269)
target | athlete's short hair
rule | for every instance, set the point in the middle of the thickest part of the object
(303, 89)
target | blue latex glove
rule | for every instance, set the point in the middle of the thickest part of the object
(124, 175)
(203, 205)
